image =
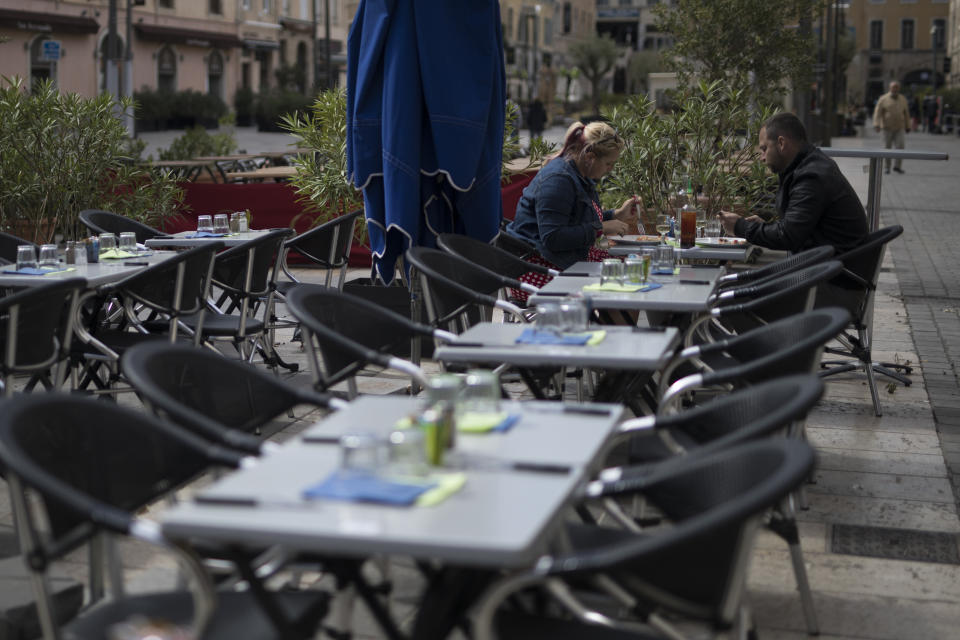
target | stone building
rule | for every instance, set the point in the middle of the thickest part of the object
(210, 46)
(895, 40)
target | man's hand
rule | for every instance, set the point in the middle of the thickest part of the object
(615, 227)
(729, 221)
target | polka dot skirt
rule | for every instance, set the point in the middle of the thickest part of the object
(538, 279)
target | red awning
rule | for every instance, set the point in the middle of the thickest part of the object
(47, 22)
(190, 37)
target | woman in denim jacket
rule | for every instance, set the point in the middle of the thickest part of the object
(559, 212)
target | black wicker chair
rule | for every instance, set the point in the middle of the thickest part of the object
(854, 290)
(792, 262)
(95, 475)
(223, 400)
(459, 293)
(36, 327)
(153, 304)
(243, 285)
(99, 221)
(9, 244)
(789, 346)
(344, 333)
(694, 570)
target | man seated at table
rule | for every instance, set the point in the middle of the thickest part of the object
(815, 203)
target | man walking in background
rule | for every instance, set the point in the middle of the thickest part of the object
(892, 116)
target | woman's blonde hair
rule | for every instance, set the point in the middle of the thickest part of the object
(598, 137)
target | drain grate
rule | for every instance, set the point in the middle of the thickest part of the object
(895, 544)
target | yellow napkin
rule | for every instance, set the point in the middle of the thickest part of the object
(60, 271)
(116, 254)
(448, 483)
(614, 287)
(596, 338)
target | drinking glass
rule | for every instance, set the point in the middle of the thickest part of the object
(664, 260)
(663, 226)
(712, 229)
(548, 316)
(128, 241)
(574, 314)
(360, 453)
(611, 270)
(480, 393)
(407, 453)
(221, 223)
(633, 270)
(701, 222)
(48, 257)
(204, 224)
(108, 242)
(26, 257)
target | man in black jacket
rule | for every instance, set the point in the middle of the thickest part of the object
(816, 204)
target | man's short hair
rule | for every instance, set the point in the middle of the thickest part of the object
(786, 125)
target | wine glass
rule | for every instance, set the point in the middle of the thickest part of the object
(663, 226)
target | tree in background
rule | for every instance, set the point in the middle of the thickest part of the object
(595, 58)
(747, 43)
(639, 68)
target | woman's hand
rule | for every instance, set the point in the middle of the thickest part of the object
(615, 227)
(629, 211)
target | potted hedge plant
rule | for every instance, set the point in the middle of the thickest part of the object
(63, 153)
(708, 141)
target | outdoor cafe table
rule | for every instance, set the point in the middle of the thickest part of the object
(740, 253)
(677, 294)
(283, 172)
(96, 274)
(626, 352)
(182, 240)
(189, 170)
(508, 513)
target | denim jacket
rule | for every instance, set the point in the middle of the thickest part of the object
(558, 213)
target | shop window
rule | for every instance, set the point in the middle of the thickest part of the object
(876, 34)
(166, 70)
(215, 74)
(165, 4)
(215, 7)
(906, 33)
(40, 69)
(303, 67)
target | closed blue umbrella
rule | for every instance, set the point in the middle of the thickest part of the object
(425, 112)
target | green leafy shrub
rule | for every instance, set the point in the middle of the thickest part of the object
(273, 105)
(63, 153)
(710, 140)
(197, 142)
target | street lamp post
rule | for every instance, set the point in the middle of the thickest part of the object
(933, 47)
(533, 35)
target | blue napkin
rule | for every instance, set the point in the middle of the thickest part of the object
(363, 487)
(539, 336)
(31, 271)
(207, 234)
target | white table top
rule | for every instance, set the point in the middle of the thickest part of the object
(182, 240)
(629, 348)
(722, 254)
(502, 517)
(95, 274)
(677, 294)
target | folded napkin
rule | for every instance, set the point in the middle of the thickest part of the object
(486, 422)
(623, 288)
(447, 484)
(116, 254)
(540, 336)
(363, 487)
(207, 234)
(31, 271)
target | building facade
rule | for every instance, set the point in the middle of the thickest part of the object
(210, 46)
(632, 24)
(903, 40)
